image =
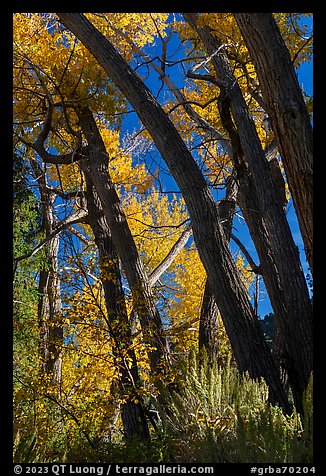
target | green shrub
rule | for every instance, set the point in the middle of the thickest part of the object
(217, 415)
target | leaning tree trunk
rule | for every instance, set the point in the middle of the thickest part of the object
(132, 414)
(143, 300)
(208, 322)
(260, 203)
(287, 110)
(246, 337)
(208, 339)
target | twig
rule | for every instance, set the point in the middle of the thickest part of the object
(77, 217)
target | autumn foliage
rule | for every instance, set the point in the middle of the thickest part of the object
(109, 278)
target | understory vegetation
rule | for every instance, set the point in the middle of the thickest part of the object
(214, 416)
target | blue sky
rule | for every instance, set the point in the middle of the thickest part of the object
(305, 77)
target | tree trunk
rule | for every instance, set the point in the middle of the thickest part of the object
(49, 305)
(208, 323)
(132, 414)
(287, 110)
(247, 340)
(260, 204)
(143, 301)
(51, 315)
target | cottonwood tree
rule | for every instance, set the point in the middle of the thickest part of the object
(50, 86)
(208, 329)
(132, 414)
(50, 305)
(67, 112)
(268, 226)
(93, 159)
(287, 111)
(208, 234)
(55, 125)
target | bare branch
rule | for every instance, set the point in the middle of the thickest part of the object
(195, 103)
(80, 216)
(205, 77)
(200, 121)
(78, 153)
(172, 254)
(254, 267)
(158, 226)
(81, 237)
(66, 195)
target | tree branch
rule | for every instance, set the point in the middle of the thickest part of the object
(67, 195)
(200, 121)
(195, 103)
(205, 77)
(79, 216)
(79, 152)
(73, 416)
(172, 254)
(254, 267)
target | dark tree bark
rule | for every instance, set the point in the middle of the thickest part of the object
(143, 301)
(259, 200)
(208, 322)
(246, 337)
(132, 414)
(287, 110)
(208, 325)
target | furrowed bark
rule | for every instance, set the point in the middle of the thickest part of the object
(50, 314)
(287, 110)
(208, 322)
(246, 337)
(260, 203)
(97, 168)
(132, 414)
